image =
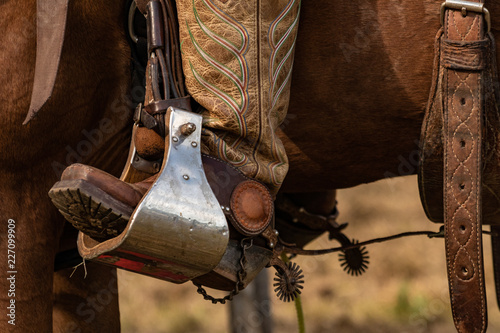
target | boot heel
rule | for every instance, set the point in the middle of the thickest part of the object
(77, 202)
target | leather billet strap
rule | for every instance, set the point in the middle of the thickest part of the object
(164, 78)
(462, 50)
(51, 25)
(145, 116)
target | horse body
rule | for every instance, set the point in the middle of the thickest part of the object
(371, 76)
(361, 80)
(359, 90)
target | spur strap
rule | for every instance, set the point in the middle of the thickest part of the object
(462, 59)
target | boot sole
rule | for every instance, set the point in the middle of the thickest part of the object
(90, 209)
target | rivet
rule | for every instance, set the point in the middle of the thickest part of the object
(295, 220)
(276, 232)
(464, 11)
(175, 139)
(188, 129)
(222, 207)
(228, 209)
(271, 245)
(194, 144)
(186, 177)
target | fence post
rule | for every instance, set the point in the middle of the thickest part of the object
(250, 311)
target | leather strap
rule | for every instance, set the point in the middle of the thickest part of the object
(247, 203)
(161, 106)
(145, 115)
(51, 25)
(462, 134)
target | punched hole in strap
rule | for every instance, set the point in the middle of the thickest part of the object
(462, 143)
(462, 101)
(462, 186)
(465, 272)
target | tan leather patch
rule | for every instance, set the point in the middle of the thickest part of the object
(252, 207)
(149, 144)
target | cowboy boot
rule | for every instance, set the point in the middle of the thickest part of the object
(95, 202)
(237, 60)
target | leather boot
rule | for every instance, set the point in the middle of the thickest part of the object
(95, 202)
(237, 58)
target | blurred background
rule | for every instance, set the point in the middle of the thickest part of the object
(404, 289)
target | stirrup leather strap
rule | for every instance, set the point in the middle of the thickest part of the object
(462, 135)
(51, 25)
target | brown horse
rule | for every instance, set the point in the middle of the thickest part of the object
(87, 119)
(360, 85)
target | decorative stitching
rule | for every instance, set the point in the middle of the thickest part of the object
(449, 177)
(470, 28)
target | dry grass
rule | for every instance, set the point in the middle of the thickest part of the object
(404, 290)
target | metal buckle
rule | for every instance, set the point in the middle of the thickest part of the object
(466, 6)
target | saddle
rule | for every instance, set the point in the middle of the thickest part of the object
(460, 154)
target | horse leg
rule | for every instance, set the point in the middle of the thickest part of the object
(28, 292)
(90, 304)
(32, 155)
(26, 173)
(87, 300)
(86, 297)
(80, 304)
